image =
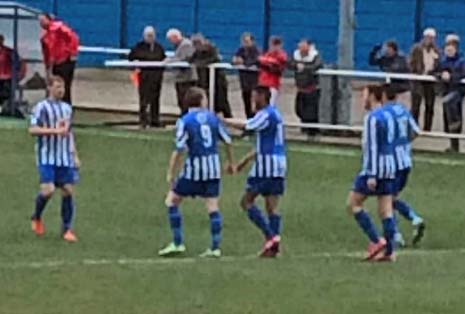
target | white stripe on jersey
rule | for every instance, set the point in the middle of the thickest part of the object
(188, 167)
(373, 145)
(204, 168)
(275, 166)
(217, 166)
(268, 169)
(381, 166)
(211, 168)
(260, 165)
(196, 168)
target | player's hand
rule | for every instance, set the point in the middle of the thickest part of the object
(61, 130)
(170, 179)
(371, 183)
(231, 169)
(445, 76)
(77, 162)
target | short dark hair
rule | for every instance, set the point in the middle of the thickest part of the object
(2, 37)
(306, 40)
(390, 91)
(263, 90)
(194, 97)
(276, 40)
(53, 79)
(393, 45)
(375, 90)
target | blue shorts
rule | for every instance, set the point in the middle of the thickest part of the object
(266, 186)
(383, 186)
(58, 175)
(401, 180)
(190, 188)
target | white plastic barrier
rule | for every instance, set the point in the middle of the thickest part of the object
(343, 73)
(107, 50)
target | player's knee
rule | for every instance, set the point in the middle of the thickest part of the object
(172, 200)
(245, 204)
(353, 206)
(67, 191)
(47, 191)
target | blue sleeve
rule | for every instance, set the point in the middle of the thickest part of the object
(240, 52)
(181, 135)
(259, 122)
(224, 133)
(413, 125)
(373, 139)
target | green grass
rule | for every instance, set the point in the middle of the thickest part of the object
(121, 215)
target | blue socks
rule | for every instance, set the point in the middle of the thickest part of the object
(275, 223)
(405, 210)
(176, 224)
(364, 221)
(389, 227)
(41, 202)
(67, 212)
(216, 225)
(256, 216)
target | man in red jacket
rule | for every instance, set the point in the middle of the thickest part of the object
(272, 66)
(60, 49)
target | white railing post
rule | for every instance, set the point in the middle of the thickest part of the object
(211, 86)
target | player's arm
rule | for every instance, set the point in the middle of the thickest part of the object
(227, 140)
(174, 166)
(373, 139)
(37, 128)
(414, 129)
(245, 160)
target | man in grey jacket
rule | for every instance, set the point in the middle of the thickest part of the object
(184, 77)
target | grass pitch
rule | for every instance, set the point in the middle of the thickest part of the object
(121, 222)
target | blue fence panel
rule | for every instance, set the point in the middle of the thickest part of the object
(162, 14)
(317, 20)
(377, 21)
(446, 16)
(224, 22)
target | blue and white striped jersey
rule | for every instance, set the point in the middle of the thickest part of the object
(53, 150)
(378, 146)
(270, 161)
(199, 131)
(405, 128)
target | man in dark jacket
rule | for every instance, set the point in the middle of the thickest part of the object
(150, 79)
(424, 59)
(205, 54)
(247, 56)
(450, 72)
(306, 62)
(388, 59)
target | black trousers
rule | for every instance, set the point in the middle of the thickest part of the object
(424, 90)
(221, 104)
(247, 99)
(453, 118)
(5, 92)
(149, 98)
(66, 71)
(306, 108)
(181, 90)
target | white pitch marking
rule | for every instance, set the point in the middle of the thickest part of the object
(192, 260)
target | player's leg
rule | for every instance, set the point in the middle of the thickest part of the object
(216, 227)
(68, 212)
(355, 204)
(45, 194)
(173, 201)
(389, 225)
(275, 221)
(255, 214)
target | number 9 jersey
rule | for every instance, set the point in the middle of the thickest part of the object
(199, 132)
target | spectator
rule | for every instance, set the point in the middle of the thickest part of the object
(451, 71)
(7, 58)
(388, 59)
(60, 46)
(305, 63)
(247, 56)
(205, 54)
(424, 59)
(150, 79)
(186, 77)
(272, 65)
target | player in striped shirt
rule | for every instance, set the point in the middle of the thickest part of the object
(406, 129)
(377, 177)
(268, 174)
(198, 133)
(57, 157)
